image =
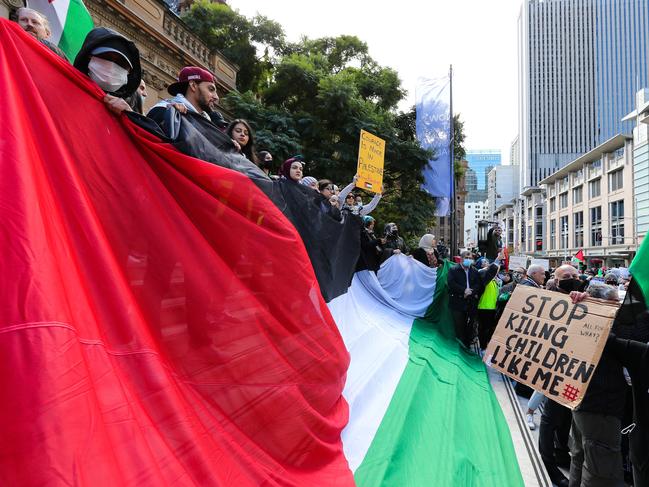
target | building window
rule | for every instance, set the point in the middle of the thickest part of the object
(553, 233)
(553, 205)
(616, 180)
(563, 184)
(596, 226)
(616, 213)
(539, 213)
(594, 168)
(563, 200)
(594, 188)
(529, 239)
(510, 231)
(529, 213)
(578, 218)
(577, 195)
(564, 232)
(578, 177)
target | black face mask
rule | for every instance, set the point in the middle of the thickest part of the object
(569, 285)
(265, 164)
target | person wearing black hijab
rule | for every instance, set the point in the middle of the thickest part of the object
(113, 62)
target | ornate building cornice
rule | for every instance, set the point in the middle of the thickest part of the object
(166, 44)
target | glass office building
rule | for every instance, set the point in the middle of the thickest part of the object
(580, 64)
(477, 174)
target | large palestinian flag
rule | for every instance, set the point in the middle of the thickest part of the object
(162, 320)
(422, 410)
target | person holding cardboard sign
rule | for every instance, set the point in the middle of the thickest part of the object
(555, 421)
(371, 158)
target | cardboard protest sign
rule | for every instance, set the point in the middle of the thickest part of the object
(371, 157)
(552, 345)
(516, 261)
(545, 263)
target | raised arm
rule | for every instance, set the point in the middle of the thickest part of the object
(368, 208)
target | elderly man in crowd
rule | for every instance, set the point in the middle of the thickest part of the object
(36, 24)
(534, 277)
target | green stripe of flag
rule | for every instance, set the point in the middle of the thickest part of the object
(639, 269)
(444, 425)
(78, 23)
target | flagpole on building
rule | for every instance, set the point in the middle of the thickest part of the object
(453, 209)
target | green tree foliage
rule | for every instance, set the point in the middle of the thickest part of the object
(459, 153)
(237, 37)
(313, 97)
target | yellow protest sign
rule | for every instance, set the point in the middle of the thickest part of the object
(371, 156)
(552, 345)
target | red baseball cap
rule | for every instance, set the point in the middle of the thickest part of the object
(187, 74)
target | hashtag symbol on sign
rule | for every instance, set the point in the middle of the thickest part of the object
(570, 393)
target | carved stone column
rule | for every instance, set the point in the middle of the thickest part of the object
(7, 6)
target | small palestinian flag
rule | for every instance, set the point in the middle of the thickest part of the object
(579, 259)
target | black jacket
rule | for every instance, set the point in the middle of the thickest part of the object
(370, 252)
(104, 37)
(393, 243)
(494, 244)
(420, 255)
(634, 356)
(606, 392)
(456, 281)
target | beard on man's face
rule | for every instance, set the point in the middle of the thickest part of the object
(204, 104)
(29, 29)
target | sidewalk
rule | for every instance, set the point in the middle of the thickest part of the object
(525, 441)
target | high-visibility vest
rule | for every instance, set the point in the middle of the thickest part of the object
(489, 296)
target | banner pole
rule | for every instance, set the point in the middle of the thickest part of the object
(453, 209)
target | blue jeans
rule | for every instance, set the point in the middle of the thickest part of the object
(535, 401)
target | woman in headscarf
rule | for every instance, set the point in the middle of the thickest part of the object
(426, 252)
(310, 181)
(394, 244)
(292, 169)
(370, 247)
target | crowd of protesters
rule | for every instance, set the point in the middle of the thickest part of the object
(479, 285)
(587, 442)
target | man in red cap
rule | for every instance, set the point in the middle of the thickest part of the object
(195, 91)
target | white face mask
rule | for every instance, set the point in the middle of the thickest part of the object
(108, 75)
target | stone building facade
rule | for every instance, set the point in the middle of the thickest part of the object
(590, 206)
(166, 44)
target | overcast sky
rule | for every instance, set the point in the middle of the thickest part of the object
(422, 38)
